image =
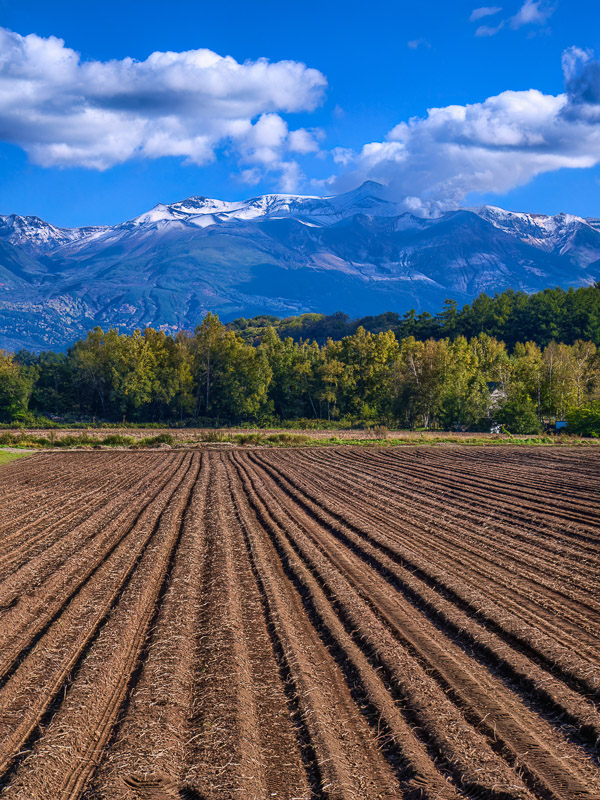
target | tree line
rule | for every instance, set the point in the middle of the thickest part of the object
(213, 376)
(551, 315)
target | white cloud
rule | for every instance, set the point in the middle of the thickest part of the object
(64, 111)
(343, 155)
(435, 162)
(291, 176)
(574, 61)
(414, 44)
(485, 11)
(304, 141)
(489, 30)
(532, 12)
(264, 147)
(249, 176)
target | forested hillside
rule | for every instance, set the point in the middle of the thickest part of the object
(543, 317)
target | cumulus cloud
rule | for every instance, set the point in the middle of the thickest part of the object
(435, 162)
(484, 11)
(265, 148)
(65, 111)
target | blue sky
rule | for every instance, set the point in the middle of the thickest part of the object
(153, 136)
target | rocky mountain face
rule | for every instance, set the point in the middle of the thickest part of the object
(276, 254)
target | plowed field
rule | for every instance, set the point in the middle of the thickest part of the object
(319, 624)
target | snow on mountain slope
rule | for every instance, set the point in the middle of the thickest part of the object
(198, 213)
(367, 199)
(565, 234)
(593, 222)
(36, 236)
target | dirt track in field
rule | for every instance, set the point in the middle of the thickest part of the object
(316, 624)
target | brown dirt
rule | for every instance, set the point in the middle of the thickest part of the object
(324, 624)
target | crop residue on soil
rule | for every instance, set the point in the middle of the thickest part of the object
(317, 624)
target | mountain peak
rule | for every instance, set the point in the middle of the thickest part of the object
(367, 188)
(372, 186)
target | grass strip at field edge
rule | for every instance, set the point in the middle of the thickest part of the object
(6, 456)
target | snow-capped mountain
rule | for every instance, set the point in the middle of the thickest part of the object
(33, 235)
(204, 212)
(280, 254)
(563, 233)
(201, 211)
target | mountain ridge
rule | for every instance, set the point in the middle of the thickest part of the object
(280, 254)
